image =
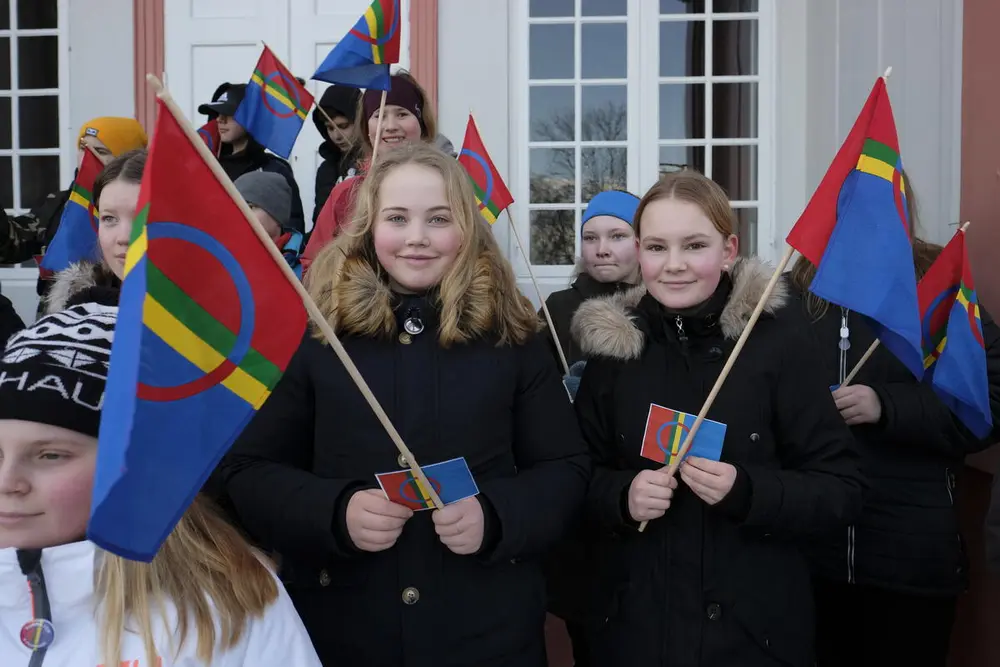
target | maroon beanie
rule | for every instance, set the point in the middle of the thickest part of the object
(402, 94)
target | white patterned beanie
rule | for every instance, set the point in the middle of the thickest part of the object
(55, 371)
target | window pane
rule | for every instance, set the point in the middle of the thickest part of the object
(553, 176)
(550, 52)
(734, 110)
(746, 230)
(6, 184)
(605, 113)
(734, 47)
(553, 238)
(5, 122)
(4, 14)
(605, 7)
(603, 169)
(682, 111)
(35, 14)
(38, 121)
(38, 62)
(552, 114)
(39, 177)
(682, 6)
(4, 63)
(735, 169)
(682, 48)
(551, 8)
(604, 54)
(673, 158)
(726, 6)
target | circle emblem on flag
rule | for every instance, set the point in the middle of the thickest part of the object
(38, 633)
(290, 86)
(659, 436)
(481, 161)
(244, 292)
(409, 491)
(379, 41)
(932, 327)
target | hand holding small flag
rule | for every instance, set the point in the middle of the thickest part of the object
(374, 523)
(710, 480)
(461, 526)
(650, 494)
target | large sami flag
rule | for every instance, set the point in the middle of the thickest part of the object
(954, 350)
(209, 132)
(76, 238)
(362, 57)
(275, 105)
(667, 429)
(491, 192)
(208, 322)
(856, 231)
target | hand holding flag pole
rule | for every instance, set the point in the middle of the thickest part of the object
(310, 305)
(871, 350)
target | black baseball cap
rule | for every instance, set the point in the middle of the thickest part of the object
(228, 102)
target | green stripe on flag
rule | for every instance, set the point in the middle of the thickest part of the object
(277, 85)
(380, 27)
(493, 207)
(139, 224)
(81, 191)
(206, 327)
(880, 151)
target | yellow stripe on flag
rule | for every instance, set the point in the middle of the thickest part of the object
(280, 96)
(198, 352)
(877, 167)
(77, 198)
(486, 213)
(373, 33)
(136, 251)
(421, 489)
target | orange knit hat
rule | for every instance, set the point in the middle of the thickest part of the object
(120, 135)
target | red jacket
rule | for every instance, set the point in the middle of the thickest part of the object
(335, 214)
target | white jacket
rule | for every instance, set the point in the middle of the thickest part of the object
(278, 639)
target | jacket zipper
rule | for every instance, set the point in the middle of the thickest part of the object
(679, 322)
(844, 344)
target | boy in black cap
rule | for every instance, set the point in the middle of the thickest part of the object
(241, 154)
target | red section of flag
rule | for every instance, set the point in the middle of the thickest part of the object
(476, 159)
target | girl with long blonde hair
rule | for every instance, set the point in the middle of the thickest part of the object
(206, 598)
(430, 312)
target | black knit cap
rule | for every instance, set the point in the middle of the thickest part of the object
(55, 371)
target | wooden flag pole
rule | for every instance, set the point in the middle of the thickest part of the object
(545, 308)
(689, 438)
(310, 305)
(874, 346)
(378, 126)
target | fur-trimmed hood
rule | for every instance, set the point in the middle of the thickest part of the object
(606, 327)
(78, 278)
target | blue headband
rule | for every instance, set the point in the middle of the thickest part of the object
(618, 204)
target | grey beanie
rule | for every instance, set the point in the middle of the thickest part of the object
(269, 191)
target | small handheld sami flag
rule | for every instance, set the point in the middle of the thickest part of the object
(666, 430)
(491, 192)
(76, 238)
(954, 350)
(362, 57)
(856, 231)
(452, 480)
(275, 105)
(208, 322)
(209, 132)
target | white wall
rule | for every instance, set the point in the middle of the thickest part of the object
(850, 43)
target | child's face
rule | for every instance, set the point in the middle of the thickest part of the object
(46, 477)
(269, 224)
(230, 131)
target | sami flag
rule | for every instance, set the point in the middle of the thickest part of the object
(954, 350)
(209, 132)
(452, 480)
(362, 58)
(76, 238)
(275, 105)
(207, 324)
(491, 192)
(666, 430)
(856, 231)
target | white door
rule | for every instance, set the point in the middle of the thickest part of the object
(208, 42)
(316, 26)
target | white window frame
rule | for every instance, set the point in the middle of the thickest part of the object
(642, 139)
(66, 149)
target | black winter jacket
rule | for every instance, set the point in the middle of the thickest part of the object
(723, 585)
(256, 158)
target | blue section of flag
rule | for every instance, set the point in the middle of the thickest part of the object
(959, 375)
(868, 266)
(350, 63)
(276, 133)
(708, 440)
(75, 240)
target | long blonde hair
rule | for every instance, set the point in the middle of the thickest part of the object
(478, 294)
(205, 569)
